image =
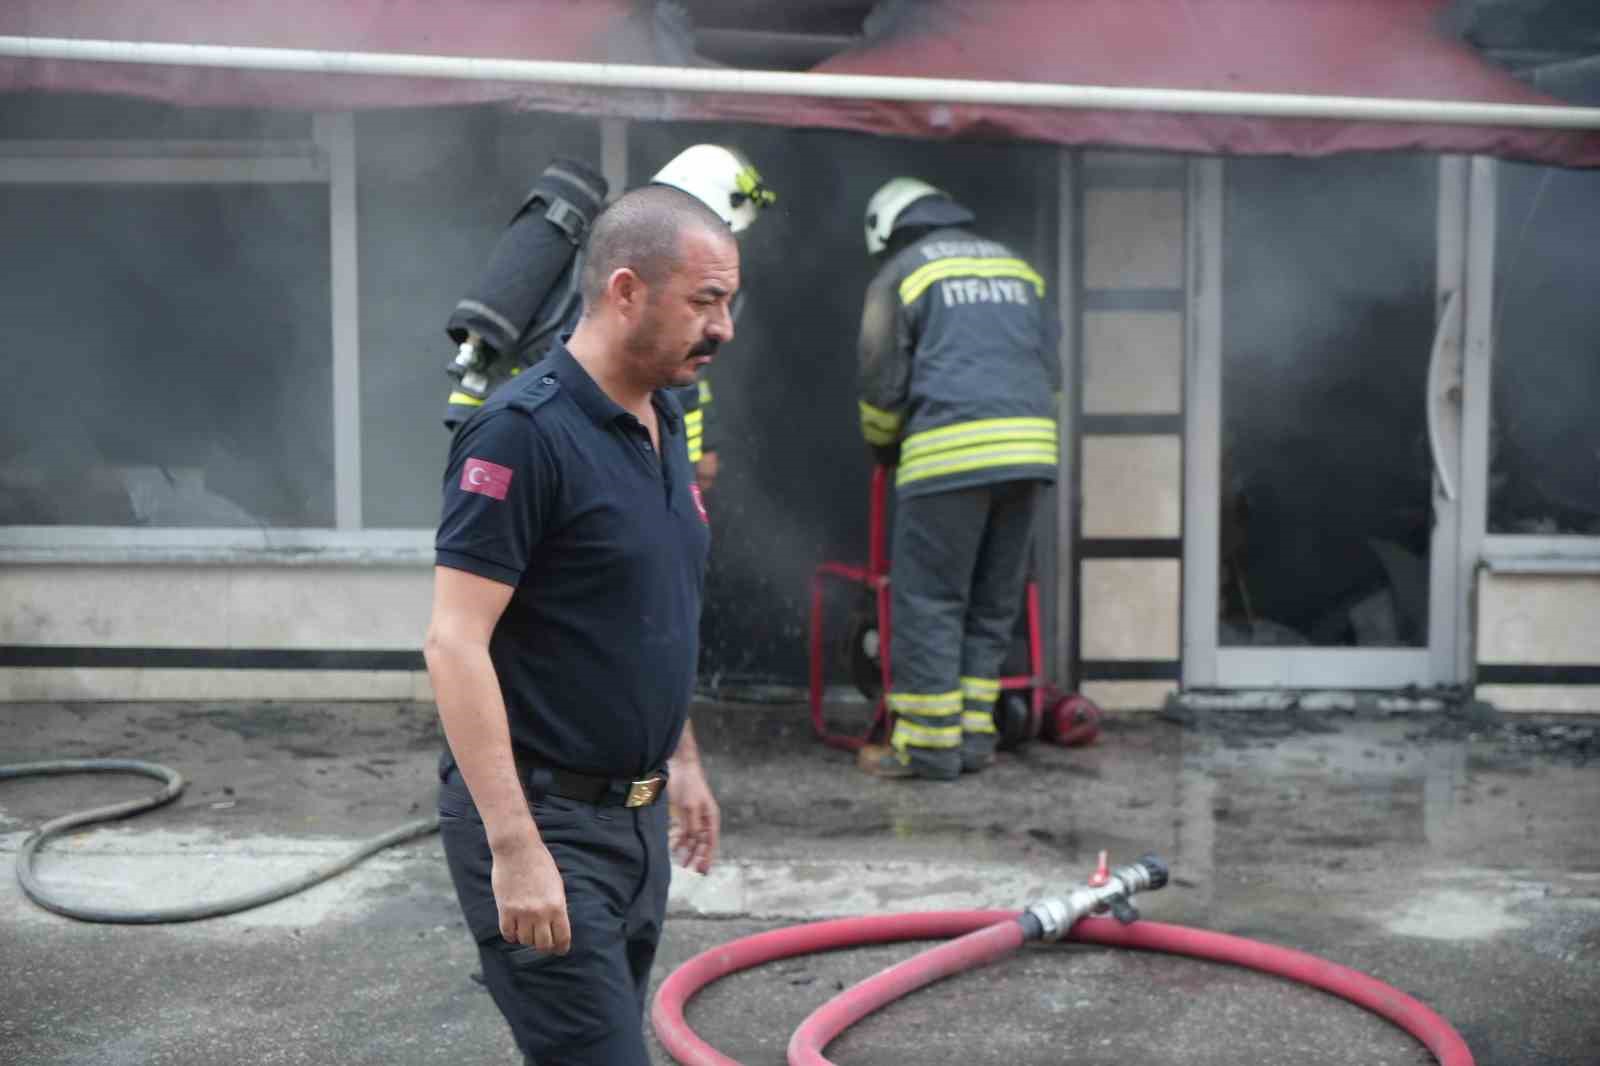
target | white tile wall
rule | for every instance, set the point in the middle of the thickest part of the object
(215, 606)
(1547, 699)
(170, 606)
(51, 684)
(1132, 362)
(1132, 486)
(1128, 695)
(1130, 608)
(1133, 239)
(298, 607)
(1539, 618)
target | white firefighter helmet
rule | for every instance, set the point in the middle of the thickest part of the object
(722, 179)
(883, 210)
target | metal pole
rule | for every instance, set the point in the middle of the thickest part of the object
(784, 83)
(337, 135)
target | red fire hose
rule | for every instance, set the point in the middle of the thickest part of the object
(985, 936)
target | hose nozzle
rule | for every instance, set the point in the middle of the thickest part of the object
(1104, 891)
(1146, 875)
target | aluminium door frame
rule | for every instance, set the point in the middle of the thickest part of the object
(1464, 266)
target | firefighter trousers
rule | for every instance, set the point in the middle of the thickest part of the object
(958, 568)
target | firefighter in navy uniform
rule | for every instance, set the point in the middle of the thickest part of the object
(958, 378)
(527, 296)
(725, 180)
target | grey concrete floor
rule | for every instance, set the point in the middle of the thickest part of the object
(1458, 860)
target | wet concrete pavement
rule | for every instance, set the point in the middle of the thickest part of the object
(1454, 858)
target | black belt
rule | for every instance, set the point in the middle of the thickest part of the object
(600, 791)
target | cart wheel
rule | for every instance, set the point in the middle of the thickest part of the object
(865, 664)
(1071, 721)
(1011, 714)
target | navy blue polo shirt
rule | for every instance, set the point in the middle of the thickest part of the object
(554, 489)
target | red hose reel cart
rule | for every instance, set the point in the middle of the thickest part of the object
(1028, 706)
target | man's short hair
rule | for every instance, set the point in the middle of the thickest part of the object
(641, 230)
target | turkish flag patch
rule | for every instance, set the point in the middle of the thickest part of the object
(486, 478)
(699, 502)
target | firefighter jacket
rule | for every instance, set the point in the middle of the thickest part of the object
(958, 370)
(699, 420)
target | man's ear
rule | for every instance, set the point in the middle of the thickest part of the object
(627, 290)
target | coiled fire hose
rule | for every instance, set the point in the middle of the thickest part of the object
(175, 784)
(985, 936)
(980, 936)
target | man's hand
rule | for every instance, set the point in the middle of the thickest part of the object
(705, 471)
(696, 820)
(531, 898)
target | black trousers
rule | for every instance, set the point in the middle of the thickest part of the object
(585, 1007)
(959, 565)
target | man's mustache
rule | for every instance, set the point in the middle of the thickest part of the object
(707, 346)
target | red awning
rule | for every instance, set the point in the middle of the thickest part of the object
(1367, 48)
(591, 31)
(1371, 48)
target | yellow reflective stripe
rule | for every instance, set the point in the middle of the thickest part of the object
(695, 433)
(695, 430)
(877, 437)
(911, 735)
(463, 400)
(705, 392)
(925, 702)
(877, 425)
(955, 449)
(878, 416)
(917, 282)
(980, 431)
(1004, 459)
(927, 714)
(977, 722)
(1036, 451)
(980, 688)
(993, 457)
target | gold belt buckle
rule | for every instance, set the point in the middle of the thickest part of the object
(642, 793)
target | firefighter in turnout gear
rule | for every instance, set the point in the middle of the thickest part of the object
(527, 296)
(958, 377)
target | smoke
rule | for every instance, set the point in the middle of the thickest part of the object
(166, 342)
(1328, 321)
(1329, 318)
(168, 345)
(1545, 461)
(795, 473)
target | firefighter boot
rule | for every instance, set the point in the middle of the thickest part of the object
(931, 765)
(977, 751)
(978, 733)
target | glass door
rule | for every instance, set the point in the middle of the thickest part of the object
(1326, 376)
